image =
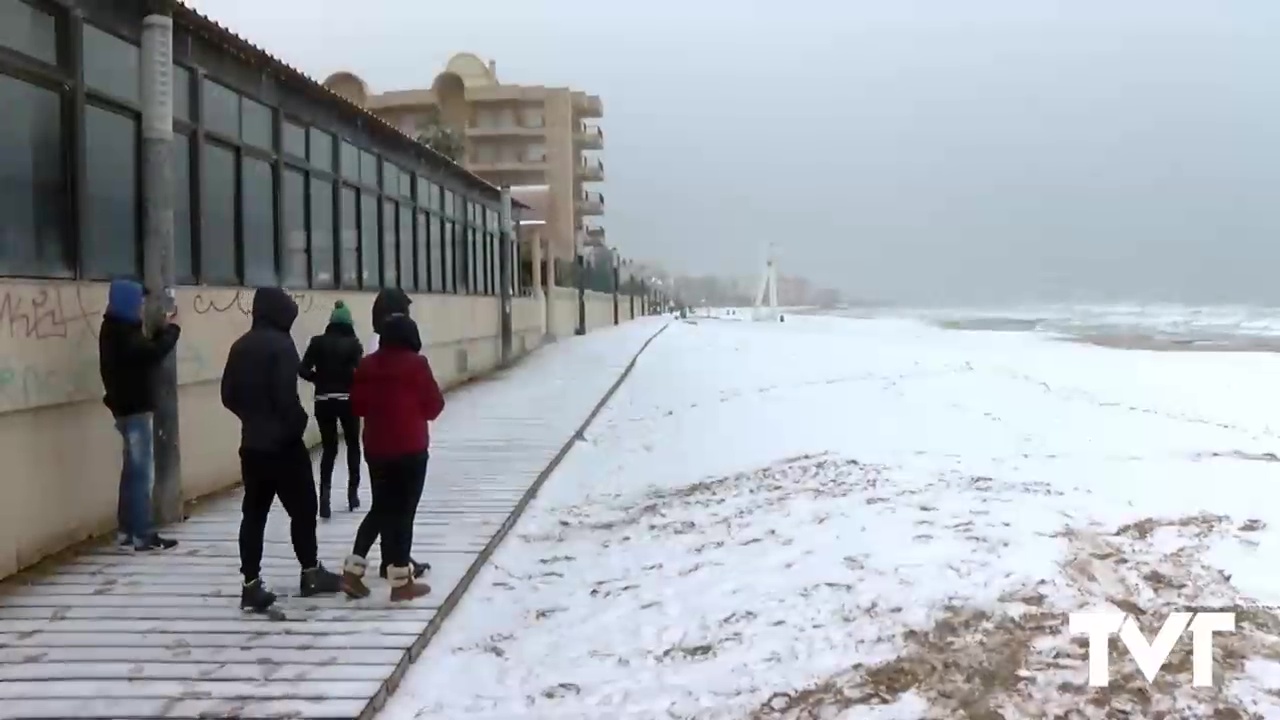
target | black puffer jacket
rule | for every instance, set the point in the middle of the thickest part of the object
(260, 381)
(331, 359)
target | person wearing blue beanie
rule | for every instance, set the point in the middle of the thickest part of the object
(127, 360)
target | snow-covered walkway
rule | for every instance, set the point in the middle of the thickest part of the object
(111, 634)
(833, 518)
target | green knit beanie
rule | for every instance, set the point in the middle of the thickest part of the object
(340, 314)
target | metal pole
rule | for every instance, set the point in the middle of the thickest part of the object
(156, 76)
(504, 271)
(582, 294)
(631, 294)
(616, 263)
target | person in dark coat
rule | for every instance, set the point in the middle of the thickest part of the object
(389, 302)
(329, 363)
(127, 360)
(260, 387)
(396, 393)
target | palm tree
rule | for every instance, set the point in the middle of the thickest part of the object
(438, 136)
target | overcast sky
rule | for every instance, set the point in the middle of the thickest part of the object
(943, 151)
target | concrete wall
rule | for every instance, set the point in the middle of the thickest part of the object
(564, 310)
(60, 451)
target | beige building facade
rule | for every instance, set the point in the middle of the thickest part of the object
(518, 135)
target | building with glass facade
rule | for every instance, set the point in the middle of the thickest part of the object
(279, 180)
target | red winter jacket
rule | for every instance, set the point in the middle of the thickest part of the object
(396, 393)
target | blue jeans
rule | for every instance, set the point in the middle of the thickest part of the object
(133, 510)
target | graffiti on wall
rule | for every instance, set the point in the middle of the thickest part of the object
(49, 338)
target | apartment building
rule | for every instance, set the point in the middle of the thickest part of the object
(518, 135)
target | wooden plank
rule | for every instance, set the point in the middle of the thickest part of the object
(265, 636)
(202, 627)
(123, 563)
(384, 657)
(333, 602)
(205, 689)
(223, 611)
(211, 671)
(94, 709)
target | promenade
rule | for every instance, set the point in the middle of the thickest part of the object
(111, 634)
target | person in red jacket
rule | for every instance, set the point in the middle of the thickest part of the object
(396, 393)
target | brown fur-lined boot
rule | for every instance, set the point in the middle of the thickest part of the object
(352, 580)
(403, 588)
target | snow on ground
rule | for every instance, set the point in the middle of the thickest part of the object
(834, 518)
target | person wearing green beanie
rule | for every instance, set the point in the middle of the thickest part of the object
(330, 363)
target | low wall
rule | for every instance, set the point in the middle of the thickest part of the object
(60, 450)
(599, 310)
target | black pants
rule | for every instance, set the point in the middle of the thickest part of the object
(396, 485)
(268, 474)
(329, 415)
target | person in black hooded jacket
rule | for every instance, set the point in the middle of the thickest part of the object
(329, 363)
(260, 386)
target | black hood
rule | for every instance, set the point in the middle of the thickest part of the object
(272, 307)
(400, 331)
(339, 329)
(389, 302)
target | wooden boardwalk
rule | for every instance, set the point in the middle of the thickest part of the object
(111, 634)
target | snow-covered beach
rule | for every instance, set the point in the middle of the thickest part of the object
(881, 518)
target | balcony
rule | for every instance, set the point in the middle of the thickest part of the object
(589, 106)
(588, 138)
(522, 169)
(506, 131)
(595, 236)
(590, 203)
(590, 170)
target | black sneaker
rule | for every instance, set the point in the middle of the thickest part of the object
(419, 569)
(255, 597)
(318, 581)
(124, 539)
(155, 542)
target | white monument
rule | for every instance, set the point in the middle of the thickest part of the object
(766, 307)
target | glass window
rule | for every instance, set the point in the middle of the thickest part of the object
(110, 236)
(29, 31)
(460, 276)
(181, 93)
(448, 204)
(349, 240)
(390, 179)
(110, 64)
(448, 275)
(183, 269)
(221, 107)
(258, 222)
(435, 251)
(370, 269)
(255, 124)
(389, 256)
(406, 184)
(294, 195)
(349, 160)
(33, 206)
(476, 263)
(368, 168)
(293, 139)
(423, 197)
(491, 263)
(321, 234)
(422, 252)
(321, 146)
(406, 248)
(218, 216)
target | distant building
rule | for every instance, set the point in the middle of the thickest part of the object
(510, 134)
